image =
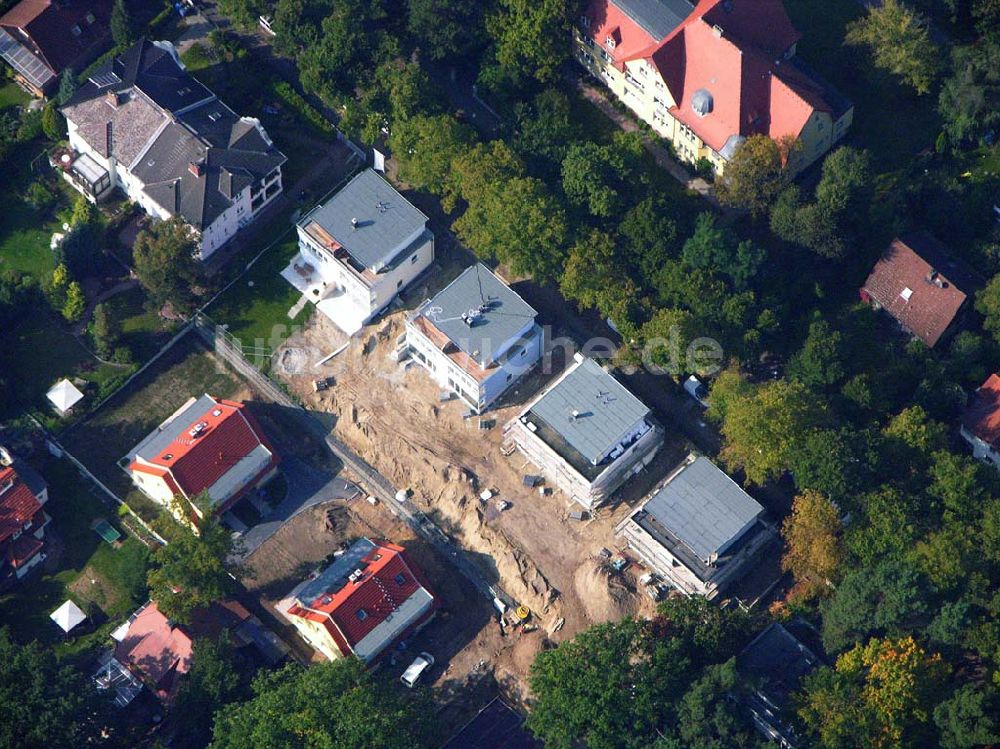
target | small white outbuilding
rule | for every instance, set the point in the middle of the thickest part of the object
(68, 616)
(64, 395)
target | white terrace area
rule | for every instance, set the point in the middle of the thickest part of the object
(329, 297)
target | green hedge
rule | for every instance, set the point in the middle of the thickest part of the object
(307, 111)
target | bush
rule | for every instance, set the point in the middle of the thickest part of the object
(122, 355)
(705, 169)
(304, 109)
(39, 196)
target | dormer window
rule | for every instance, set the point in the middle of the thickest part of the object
(361, 614)
(76, 31)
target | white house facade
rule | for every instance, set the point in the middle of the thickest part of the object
(359, 250)
(476, 337)
(142, 124)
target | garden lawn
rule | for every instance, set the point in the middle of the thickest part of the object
(143, 331)
(186, 370)
(12, 95)
(24, 237)
(107, 583)
(257, 314)
(39, 351)
(890, 119)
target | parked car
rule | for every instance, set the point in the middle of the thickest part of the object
(697, 390)
(413, 672)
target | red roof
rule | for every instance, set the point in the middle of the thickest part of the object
(982, 417)
(608, 20)
(387, 581)
(47, 28)
(162, 651)
(731, 49)
(17, 503)
(206, 448)
(22, 550)
(156, 649)
(924, 290)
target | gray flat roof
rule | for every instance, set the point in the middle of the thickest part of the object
(606, 410)
(334, 577)
(498, 313)
(385, 219)
(703, 508)
(158, 440)
(657, 17)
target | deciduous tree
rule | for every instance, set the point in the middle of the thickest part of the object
(190, 571)
(523, 32)
(425, 148)
(761, 428)
(754, 175)
(899, 41)
(605, 688)
(165, 262)
(44, 703)
(334, 705)
(814, 552)
(447, 29)
(878, 696)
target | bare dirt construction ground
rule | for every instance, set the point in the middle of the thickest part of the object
(464, 636)
(392, 416)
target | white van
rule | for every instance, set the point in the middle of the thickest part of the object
(420, 664)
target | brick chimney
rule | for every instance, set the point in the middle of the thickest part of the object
(113, 98)
(196, 168)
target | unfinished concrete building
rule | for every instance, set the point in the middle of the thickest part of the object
(698, 529)
(586, 433)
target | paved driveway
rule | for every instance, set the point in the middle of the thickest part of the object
(307, 487)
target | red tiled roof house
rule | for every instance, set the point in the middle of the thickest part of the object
(369, 599)
(22, 521)
(919, 284)
(981, 422)
(207, 445)
(40, 39)
(707, 76)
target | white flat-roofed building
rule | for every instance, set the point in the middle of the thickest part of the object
(586, 432)
(698, 529)
(360, 249)
(476, 337)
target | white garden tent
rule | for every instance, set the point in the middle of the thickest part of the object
(67, 616)
(64, 395)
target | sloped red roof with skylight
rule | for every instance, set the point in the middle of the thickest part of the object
(206, 448)
(731, 49)
(357, 606)
(608, 20)
(17, 503)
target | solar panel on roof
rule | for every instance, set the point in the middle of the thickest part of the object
(105, 79)
(23, 61)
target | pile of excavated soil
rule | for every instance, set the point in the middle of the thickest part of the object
(604, 598)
